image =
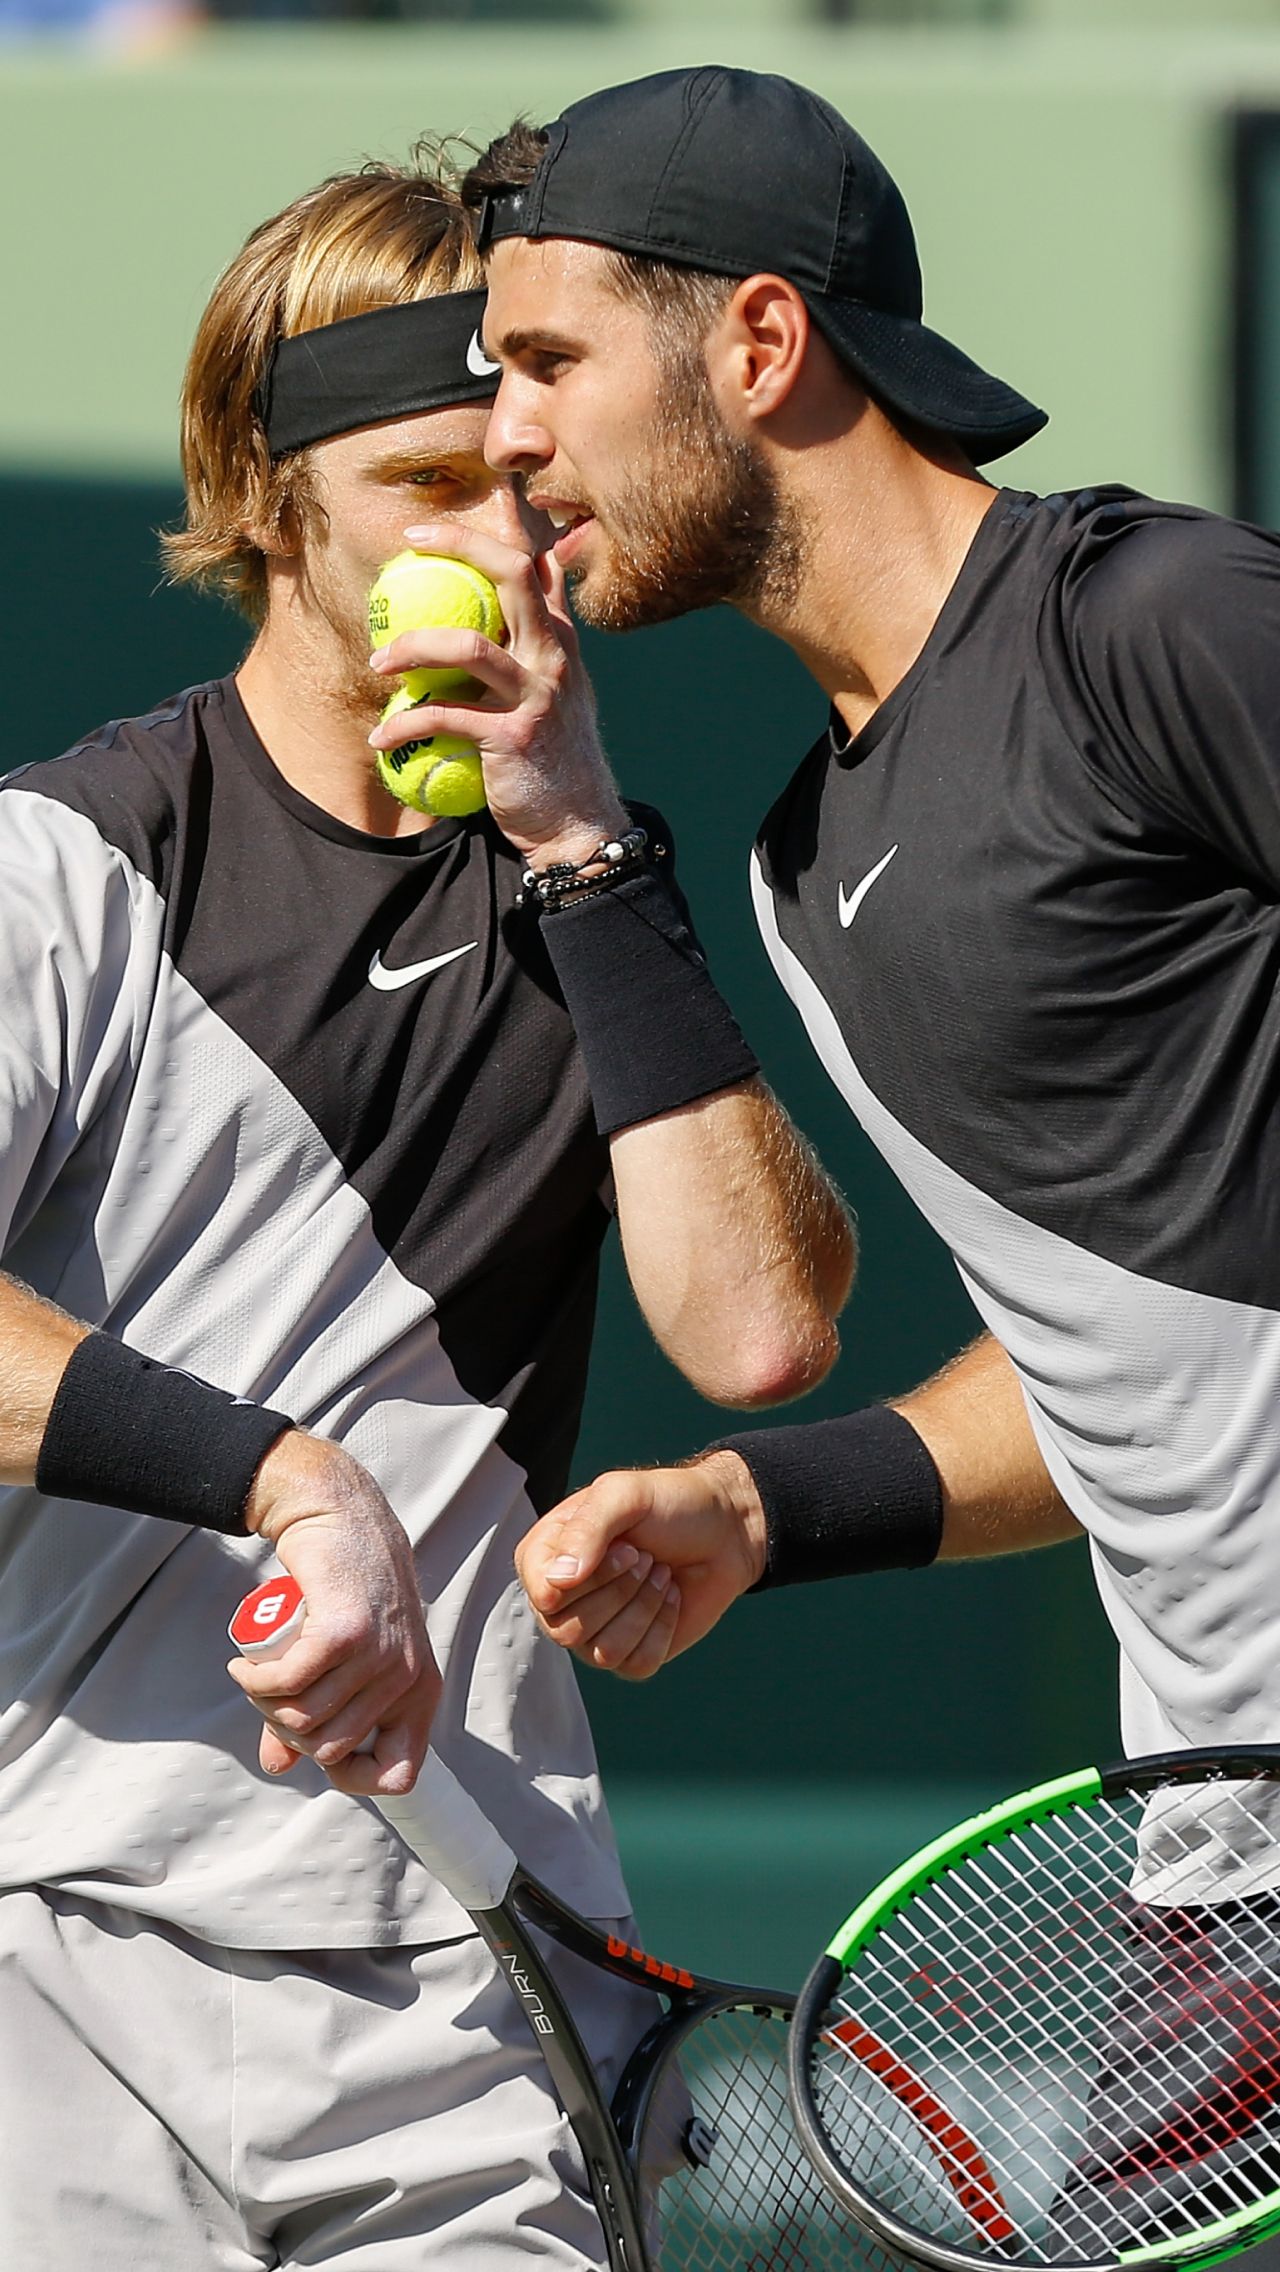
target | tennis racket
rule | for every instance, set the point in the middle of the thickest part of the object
(1052, 2038)
(695, 2167)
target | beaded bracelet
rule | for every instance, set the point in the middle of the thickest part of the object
(567, 881)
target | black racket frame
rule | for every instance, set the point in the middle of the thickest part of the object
(608, 2135)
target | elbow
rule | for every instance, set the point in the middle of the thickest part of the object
(840, 1264)
(767, 1369)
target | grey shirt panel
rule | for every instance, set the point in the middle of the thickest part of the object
(159, 1177)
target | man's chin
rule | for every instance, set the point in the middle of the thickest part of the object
(612, 603)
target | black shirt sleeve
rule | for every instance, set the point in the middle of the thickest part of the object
(1172, 627)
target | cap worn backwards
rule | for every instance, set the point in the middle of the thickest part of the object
(739, 172)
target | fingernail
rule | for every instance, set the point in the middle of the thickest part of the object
(563, 1570)
(623, 1557)
(375, 741)
(660, 1576)
(642, 1568)
(671, 1598)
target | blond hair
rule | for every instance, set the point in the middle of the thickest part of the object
(362, 240)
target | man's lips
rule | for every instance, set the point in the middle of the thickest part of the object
(569, 544)
(560, 511)
(568, 519)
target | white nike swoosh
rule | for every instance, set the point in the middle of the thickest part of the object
(851, 901)
(478, 363)
(388, 980)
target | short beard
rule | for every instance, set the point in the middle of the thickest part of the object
(350, 688)
(357, 691)
(710, 529)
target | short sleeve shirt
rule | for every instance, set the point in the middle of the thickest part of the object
(1031, 918)
(300, 1110)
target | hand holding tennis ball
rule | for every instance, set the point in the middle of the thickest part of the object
(441, 774)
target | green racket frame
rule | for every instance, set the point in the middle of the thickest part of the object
(1213, 2243)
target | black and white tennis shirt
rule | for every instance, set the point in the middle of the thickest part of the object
(1031, 918)
(301, 1110)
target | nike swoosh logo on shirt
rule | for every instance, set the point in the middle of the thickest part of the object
(387, 980)
(479, 364)
(851, 901)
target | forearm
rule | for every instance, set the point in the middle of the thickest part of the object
(641, 1564)
(36, 1341)
(739, 1250)
(950, 1471)
(146, 1431)
(996, 1493)
(83, 1417)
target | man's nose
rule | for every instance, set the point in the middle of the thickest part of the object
(515, 441)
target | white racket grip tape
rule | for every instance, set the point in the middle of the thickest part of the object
(443, 1826)
(437, 1819)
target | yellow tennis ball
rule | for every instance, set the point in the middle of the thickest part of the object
(441, 774)
(421, 589)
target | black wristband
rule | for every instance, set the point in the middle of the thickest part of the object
(127, 1432)
(843, 1497)
(653, 1031)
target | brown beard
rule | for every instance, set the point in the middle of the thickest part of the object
(360, 693)
(711, 528)
(353, 690)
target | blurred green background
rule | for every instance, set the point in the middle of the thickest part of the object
(1096, 188)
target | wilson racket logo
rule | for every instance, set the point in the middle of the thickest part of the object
(700, 2141)
(264, 1612)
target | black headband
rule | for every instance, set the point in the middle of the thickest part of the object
(419, 355)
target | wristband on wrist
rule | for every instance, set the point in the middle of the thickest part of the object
(843, 1497)
(127, 1432)
(653, 1030)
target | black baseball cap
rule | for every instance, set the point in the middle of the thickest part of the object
(737, 172)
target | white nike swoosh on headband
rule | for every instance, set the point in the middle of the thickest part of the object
(478, 363)
(388, 980)
(851, 901)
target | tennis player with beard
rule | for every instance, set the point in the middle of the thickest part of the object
(301, 1143)
(1024, 891)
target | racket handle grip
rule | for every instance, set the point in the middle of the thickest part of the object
(437, 1819)
(443, 1826)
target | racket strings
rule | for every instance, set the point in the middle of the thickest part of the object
(1019, 2028)
(1062, 2045)
(1179, 2048)
(1031, 2034)
(726, 2184)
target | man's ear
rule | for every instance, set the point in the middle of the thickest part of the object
(279, 539)
(757, 350)
(290, 503)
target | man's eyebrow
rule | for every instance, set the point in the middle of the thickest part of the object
(425, 460)
(520, 342)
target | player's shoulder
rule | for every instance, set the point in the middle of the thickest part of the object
(1140, 570)
(133, 780)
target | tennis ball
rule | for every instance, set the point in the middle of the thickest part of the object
(420, 589)
(440, 774)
